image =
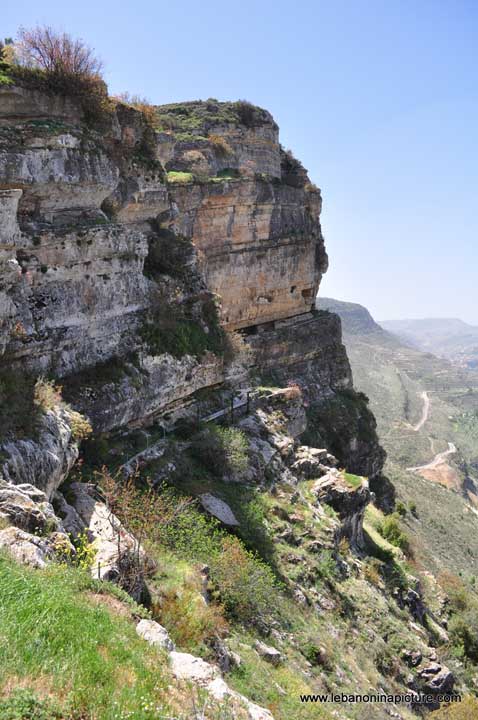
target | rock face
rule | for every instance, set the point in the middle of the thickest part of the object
(349, 503)
(46, 460)
(130, 258)
(260, 245)
(118, 556)
(91, 225)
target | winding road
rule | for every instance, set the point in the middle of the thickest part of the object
(439, 459)
(425, 411)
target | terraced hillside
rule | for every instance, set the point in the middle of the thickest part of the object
(427, 417)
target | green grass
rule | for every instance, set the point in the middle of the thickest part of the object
(354, 481)
(56, 642)
(180, 178)
(187, 337)
(5, 79)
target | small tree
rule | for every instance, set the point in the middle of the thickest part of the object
(57, 53)
(57, 62)
(137, 516)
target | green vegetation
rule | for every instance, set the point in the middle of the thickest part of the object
(226, 174)
(239, 580)
(354, 481)
(463, 625)
(170, 330)
(90, 658)
(169, 254)
(23, 401)
(222, 450)
(180, 178)
(391, 530)
(184, 337)
(25, 705)
(200, 116)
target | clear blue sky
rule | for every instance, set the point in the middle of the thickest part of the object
(378, 98)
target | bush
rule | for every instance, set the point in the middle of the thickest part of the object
(222, 450)
(463, 631)
(391, 530)
(168, 254)
(401, 509)
(190, 621)
(245, 586)
(220, 145)
(180, 178)
(47, 395)
(24, 705)
(139, 103)
(464, 710)
(371, 570)
(182, 337)
(246, 112)
(56, 62)
(171, 331)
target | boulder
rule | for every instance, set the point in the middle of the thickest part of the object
(218, 509)
(189, 667)
(154, 634)
(268, 653)
(312, 462)
(193, 669)
(32, 550)
(18, 508)
(435, 678)
(412, 657)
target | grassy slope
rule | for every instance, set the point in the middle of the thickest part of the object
(393, 375)
(57, 641)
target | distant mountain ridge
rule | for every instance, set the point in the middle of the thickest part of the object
(355, 318)
(450, 338)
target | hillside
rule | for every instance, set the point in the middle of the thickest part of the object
(422, 404)
(447, 337)
(194, 516)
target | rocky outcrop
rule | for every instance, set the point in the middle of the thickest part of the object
(260, 245)
(44, 461)
(34, 535)
(117, 555)
(189, 668)
(154, 634)
(348, 501)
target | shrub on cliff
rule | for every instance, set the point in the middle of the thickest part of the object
(57, 62)
(222, 450)
(139, 103)
(245, 585)
(247, 112)
(391, 530)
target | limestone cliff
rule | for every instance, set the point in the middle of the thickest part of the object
(129, 255)
(158, 269)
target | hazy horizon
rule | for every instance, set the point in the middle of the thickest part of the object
(379, 101)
